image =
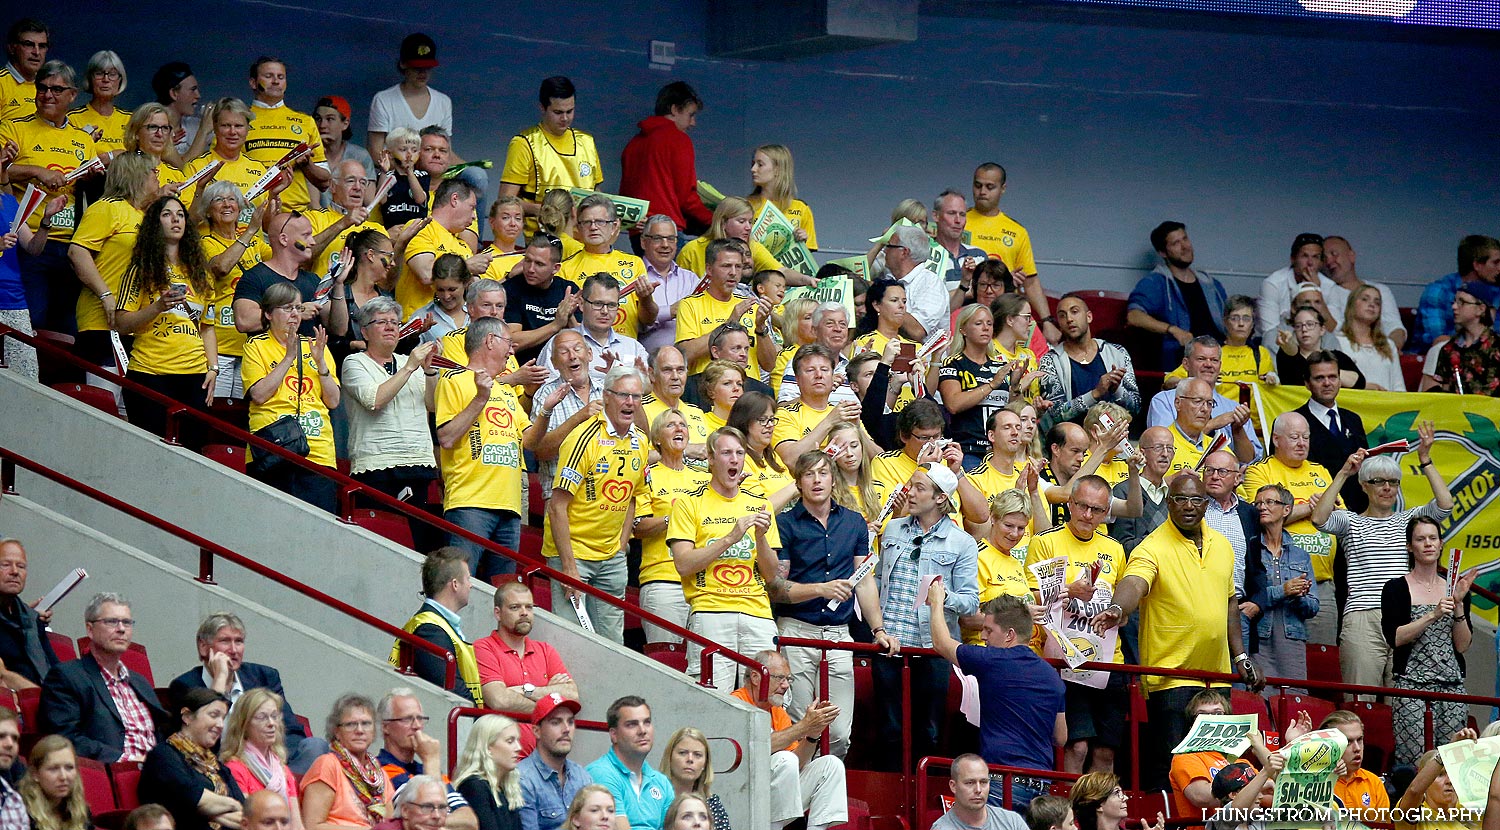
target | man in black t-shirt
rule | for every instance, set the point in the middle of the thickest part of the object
(1175, 301)
(291, 238)
(539, 303)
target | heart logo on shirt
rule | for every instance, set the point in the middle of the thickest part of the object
(299, 386)
(616, 490)
(498, 416)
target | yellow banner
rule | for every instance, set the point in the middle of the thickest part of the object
(1467, 453)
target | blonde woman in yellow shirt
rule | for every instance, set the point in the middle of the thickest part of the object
(733, 219)
(1013, 328)
(723, 383)
(164, 300)
(101, 249)
(771, 173)
(853, 480)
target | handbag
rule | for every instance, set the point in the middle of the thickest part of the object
(285, 432)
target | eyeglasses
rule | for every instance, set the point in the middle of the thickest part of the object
(597, 223)
(157, 128)
(1241, 318)
(603, 305)
(626, 396)
(1268, 504)
(111, 74)
(114, 622)
(768, 421)
(410, 720)
(1087, 509)
(1219, 471)
(289, 308)
(656, 237)
(916, 547)
(778, 679)
(894, 245)
(1156, 447)
(1196, 401)
(1384, 482)
(357, 724)
(1307, 325)
(385, 322)
(428, 809)
(1189, 501)
(265, 717)
(1461, 300)
(55, 91)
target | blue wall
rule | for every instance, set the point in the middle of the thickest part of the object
(1105, 129)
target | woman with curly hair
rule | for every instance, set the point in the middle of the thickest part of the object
(163, 298)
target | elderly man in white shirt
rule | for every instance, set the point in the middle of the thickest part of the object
(906, 256)
(831, 327)
(673, 282)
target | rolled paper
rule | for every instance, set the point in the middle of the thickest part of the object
(1458, 381)
(203, 173)
(1124, 449)
(30, 201)
(440, 362)
(1454, 559)
(412, 326)
(583, 614)
(70, 581)
(262, 184)
(84, 169)
(323, 290)
(702, 284)
(383, 189)
(1220, 442)
(293, 155)
(934, 344)
(1400, 445)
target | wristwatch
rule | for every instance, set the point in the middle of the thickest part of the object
(528, 689)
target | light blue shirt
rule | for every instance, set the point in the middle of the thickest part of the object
(1163, 411)
(642, 800)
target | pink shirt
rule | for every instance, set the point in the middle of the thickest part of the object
(499, 662)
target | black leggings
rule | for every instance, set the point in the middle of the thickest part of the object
(150, 415)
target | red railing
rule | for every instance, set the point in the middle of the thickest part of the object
(459, 712)
(208, 550)
(528, 567)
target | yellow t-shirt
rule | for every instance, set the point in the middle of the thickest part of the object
(111, 127)
(623, 267)
(273, 133)
(712, 421)
(1236, 364)
(501, 265)
(1003, 238)
(1188, 451)
(1305, 481)
(484, 469)
(664, 486)
(732, 582)
(1028, 358)
(1183, 615)
(890, 470)
(990, 481)
(539, 161)
(1060, 541)
(321, 221)
(795, 420)
(692, 257)
(764, 480)
(172, 344)
(1000, 575)
(17, 97)
(604, 471)
(800, 214)
(244, 172)
(699, 314)
(434, 239)
(261, 350)
(1114, 471)
(778, 372)
(697, 427)
(231, 341)
(109, 228)
(55, 148)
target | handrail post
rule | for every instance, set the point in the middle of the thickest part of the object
(906, 727)
(173, 425)
(823, 687)
(346, 504)
(706, 667)
(8, 476)
(206, 566)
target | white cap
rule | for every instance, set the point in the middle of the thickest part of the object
(942, 477)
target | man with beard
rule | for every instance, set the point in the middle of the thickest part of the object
(799, 783)
(1174, 300)
(516, 671)
(1086, 370)
(1173, 575)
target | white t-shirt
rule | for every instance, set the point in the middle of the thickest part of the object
(389, 110)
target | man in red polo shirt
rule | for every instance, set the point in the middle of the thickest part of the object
(516, 671)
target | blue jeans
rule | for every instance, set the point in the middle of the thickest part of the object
(499, 526)
(1020, 795)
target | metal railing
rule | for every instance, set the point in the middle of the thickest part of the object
(209, 550)
(529, 568)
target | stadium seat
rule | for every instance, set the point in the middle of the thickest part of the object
(1323, 665)
(306, 726)
(1145, 804)
(29, 705)
(531, 541)
(135, 658)
(62, 646)
(232, 411)
(100, 399)
(633, 596)
(229, 455)
(96, 786)
(1285, 708)
(865, 711)
(54, 370)
(9, 700)
(1411, 371)
(126, 776)
(392, 526)
(1244, 702)
(1380, 733)
(859, 817)
(536, 504)
(668, 654)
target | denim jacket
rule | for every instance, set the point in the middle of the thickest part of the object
(946, 551)
(1294, 562)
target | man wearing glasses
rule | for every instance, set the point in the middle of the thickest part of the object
(673, 282)
(601, 466)
(906, 255)
(1189, 430)
(408, 752)
(109, 712)
(926, 543)
(598, 228)
(800, 783)
(26, 46)
(1174, 576)
(1095, 717)
(1204, 361)
(346, 216)
(601, 308)
(420, 806)
(1289, 467)
(1234, 517)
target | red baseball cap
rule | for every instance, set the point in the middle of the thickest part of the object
(547, 705)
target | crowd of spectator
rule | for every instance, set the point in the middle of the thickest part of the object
(754, 449)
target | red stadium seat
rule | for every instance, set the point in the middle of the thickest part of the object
(29, 702)
(668, 654)
(1285, 709)
(54, 370)
(1243, 702)
(1145, 804)
(135, 658)
(97, 790)
(306, 726)
(392, 526)
(1323, 664)
(9, 700)
(100, 399)
(865, 711)
(859, 817)
(1380, 733)
(531, 542)
(1411, 371)
(633, 596)
(62, 646)
(232, 411)
(126, 776)
(229, 455)
(536, 503)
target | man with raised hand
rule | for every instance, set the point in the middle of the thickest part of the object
(601, 466)
(800, 783)
(1085, 370)
(803, 424)
(598, 229)
(699, 314)
(601, 309)
(1204, 360)
(452, 211)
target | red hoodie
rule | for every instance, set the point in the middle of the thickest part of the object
(657, 165)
